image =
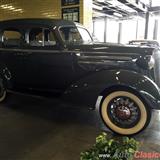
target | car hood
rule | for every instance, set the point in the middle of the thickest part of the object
(107, 48)
(97, 56)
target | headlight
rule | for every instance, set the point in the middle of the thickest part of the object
(151, 62)
(146, 62)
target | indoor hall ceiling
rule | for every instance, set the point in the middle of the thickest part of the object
(120, 8)
(11, 9)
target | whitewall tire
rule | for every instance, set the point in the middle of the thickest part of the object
(124, 112)
(3, 92)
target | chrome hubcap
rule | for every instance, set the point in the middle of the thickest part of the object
(123, 112)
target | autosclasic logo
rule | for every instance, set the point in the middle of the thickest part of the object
(115, 155)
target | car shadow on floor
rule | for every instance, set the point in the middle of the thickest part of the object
(38, 128)
(51, 109)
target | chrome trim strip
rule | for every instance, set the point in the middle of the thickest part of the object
(111, 53)
(69, 51)
(30, 50)
(124, 58)
(101, 62)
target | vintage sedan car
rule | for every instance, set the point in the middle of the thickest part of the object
(58, 58)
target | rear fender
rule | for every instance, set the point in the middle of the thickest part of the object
(86, 91)
(5, 75)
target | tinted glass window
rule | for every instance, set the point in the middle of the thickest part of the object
(74, 34)
(70, 34)
(36, 37)
(49, 39)
(41, 37)
(11, 38)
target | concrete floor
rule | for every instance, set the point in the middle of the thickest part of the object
(34, 129)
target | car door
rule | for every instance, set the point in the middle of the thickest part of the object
(15, 57)
(53, 67)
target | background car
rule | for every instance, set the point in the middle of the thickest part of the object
(145, 42)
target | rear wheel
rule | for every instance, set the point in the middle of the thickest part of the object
(3, 92)
(125, 113)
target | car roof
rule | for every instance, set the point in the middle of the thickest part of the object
(39, 22)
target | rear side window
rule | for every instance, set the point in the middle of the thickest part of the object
(11, 38)
(49, 39)
(41, 37)
(36, 37)
(11, 35)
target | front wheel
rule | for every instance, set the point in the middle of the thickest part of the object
(125, 113)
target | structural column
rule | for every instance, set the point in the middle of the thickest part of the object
(78, 11)
(137, 25)
(86, 14)
(146, 26)
(120, 33)
(155, 32)
(105, 29)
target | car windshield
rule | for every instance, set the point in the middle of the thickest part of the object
(71, 34)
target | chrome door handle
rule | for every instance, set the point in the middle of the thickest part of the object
(23, 54)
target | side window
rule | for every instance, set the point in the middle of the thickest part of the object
(41, 37)
(11, 38)
(49, 38)
(36, 37)
(70, 34)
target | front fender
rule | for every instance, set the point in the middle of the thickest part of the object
(86, 91)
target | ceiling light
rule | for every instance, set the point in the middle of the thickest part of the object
(117, 14)
(17, 10)
(7, 6)
(11, 8)
(101, 0)
(44, 14)
(4, 6)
